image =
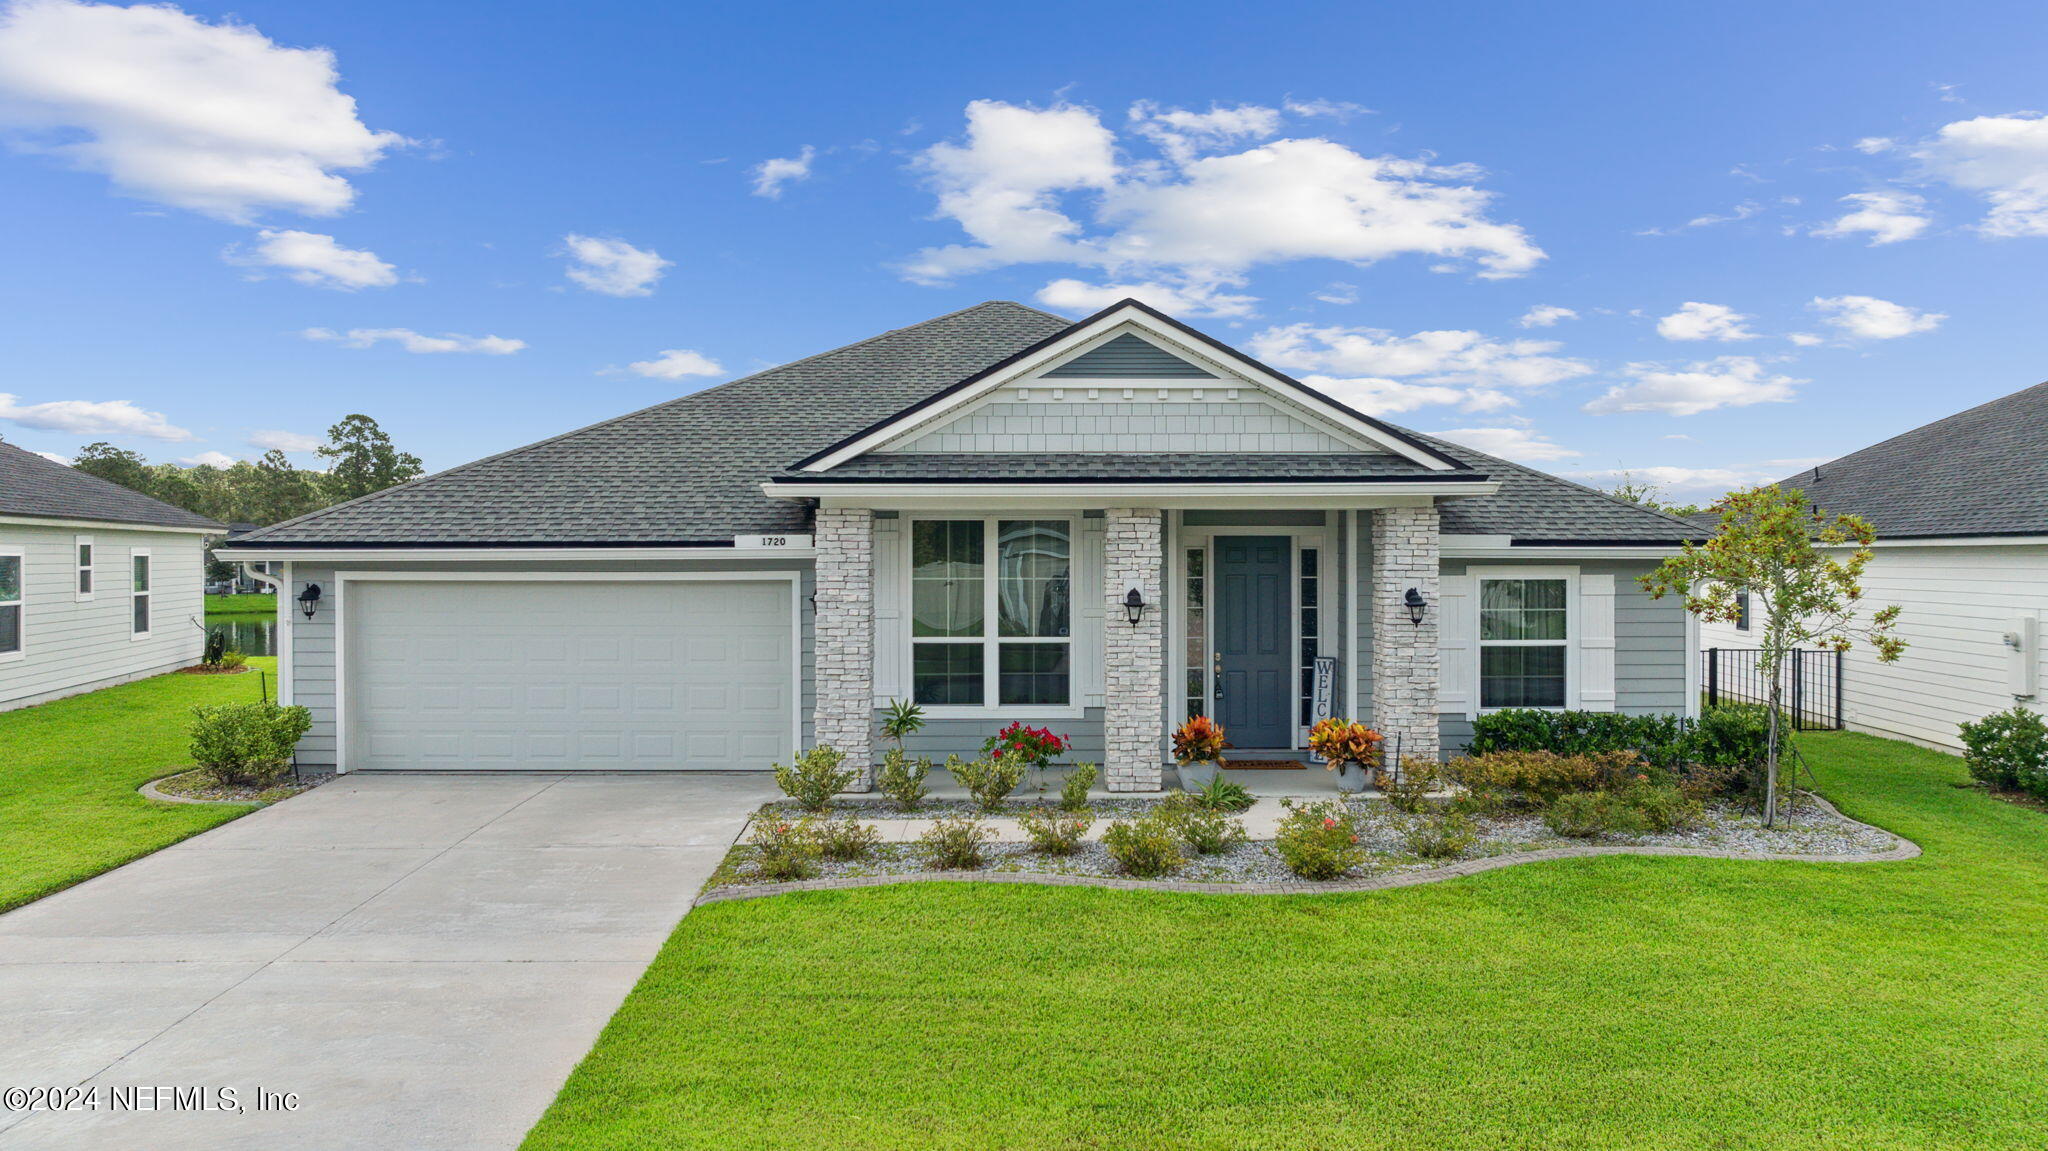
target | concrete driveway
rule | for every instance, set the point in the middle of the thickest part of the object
(420, 958)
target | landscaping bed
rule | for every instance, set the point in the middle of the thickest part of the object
(200, 786)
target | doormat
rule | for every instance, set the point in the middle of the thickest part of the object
(1265, 765)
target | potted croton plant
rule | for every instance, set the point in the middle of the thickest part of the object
(1198, 748)
(1350, 749)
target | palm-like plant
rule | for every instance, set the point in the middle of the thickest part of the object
(901, 719)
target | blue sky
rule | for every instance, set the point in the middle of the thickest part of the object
(1779, 235)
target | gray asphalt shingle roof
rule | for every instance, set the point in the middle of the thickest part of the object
(33, 486)
(689, 471)
(914, 466)
(1979, 472)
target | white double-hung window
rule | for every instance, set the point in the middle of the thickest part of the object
(1524, 640)
(10, 602)
(139, 560)
(991, 612)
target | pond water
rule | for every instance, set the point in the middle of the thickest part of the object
(248, 634)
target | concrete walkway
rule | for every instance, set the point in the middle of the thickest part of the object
(421, 959)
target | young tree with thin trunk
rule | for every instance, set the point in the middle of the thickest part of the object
(1787, 555)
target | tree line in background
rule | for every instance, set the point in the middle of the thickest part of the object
(360, 459)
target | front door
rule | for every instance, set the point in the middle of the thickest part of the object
(1254, 640)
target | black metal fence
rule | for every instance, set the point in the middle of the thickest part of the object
(1811, 682)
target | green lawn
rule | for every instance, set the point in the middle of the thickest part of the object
(261, 603)
(1612, 1002)
(69, 770)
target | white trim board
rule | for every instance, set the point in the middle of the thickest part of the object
(1210, 496)
(105, 525)
(339, 597)
(315, 553)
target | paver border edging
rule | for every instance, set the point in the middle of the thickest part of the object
(1906, 849)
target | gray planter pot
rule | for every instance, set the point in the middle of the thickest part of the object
(1195, 776)
(1351, 777)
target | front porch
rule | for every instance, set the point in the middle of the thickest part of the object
(1115, 625)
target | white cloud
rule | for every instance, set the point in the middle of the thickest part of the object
(1723, 382)
(676, 364)
(1869, 318)
(613, 267)
(313, 259)
(1697, 321)
(56, 458)
(1886, 217)
(1698, 483)
(1872, 145)
(771, 175)
(1339, 110)
(415, 342)
(1183, 299)
(284, 441)
(1805, 339)
(91, 418)
(2001, 158)
(1337, 292)
(210, 459)
(1515, 443)
(215, 118)
(1546, 316)
(1381, 372)
(1032, 185)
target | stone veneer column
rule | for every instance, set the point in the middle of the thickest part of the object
(1132, 720)
(843, 634)
(1405, 555)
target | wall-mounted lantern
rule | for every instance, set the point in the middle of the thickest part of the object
(1416, 606)
(309, 600)
(1134, 605)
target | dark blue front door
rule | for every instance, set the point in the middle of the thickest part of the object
(1254, 640)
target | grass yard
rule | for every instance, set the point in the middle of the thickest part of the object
(69, 770)
(259, 603)
(1613, 1002)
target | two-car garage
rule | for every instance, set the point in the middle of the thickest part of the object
(595, 672)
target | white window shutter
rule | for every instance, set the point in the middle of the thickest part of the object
(1596, 642)
(1457, 646)
(888, 592)
(1088, 598)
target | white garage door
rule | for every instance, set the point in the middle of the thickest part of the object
(491, 675)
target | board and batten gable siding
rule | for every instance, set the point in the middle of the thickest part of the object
(1959, 602)
(312, 642)
(1651, 655)
(71, 645)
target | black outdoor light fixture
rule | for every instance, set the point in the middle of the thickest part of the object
(1134, 605)
(309, 599)
(1416, 606)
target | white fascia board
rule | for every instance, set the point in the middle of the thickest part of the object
(1452, 551)
(1960, 542)
(1146, 326)
(106, 525)
(1139, 494)
(313, 554)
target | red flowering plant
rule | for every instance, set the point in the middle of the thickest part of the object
(1036, 745)
(1199, 740)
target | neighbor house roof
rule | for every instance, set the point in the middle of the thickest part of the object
(689, 471)
(38, 488)
(1977, 473)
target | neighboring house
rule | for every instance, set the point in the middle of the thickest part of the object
(1100, 526)
(1961, 512)
(98, 584)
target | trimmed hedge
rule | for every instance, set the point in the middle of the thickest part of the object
(1731, 735)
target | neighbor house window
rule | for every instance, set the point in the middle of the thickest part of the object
(140, 560)
(991, 612)
(1742, 611)
(84, 558)
(1522, 642)
(10, 604)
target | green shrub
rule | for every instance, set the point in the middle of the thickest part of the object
(1730, 735)
(1441, 835)
(1148, 847)
(1220, 794)
(2009, 751)
(1207, 830)
(902, 778)
(1664, 809)
(1583, 814)
(846, 840)
(247, 743)
(1659, 739)
(1319, 840)
(816, 778)
(1540, 777)
(785, 849)
(1074, 792)
(992, 778)
(233, 659)
(1055, 832)
(1408, 791)
(955, 843)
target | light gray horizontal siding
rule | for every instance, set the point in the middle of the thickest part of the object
(963, 737)
(70, 646)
